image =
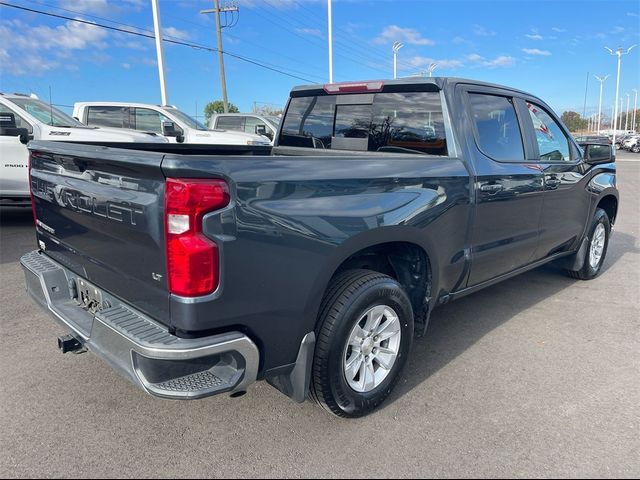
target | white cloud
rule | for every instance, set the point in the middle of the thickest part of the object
(85, 6)
(483, 31)
(499, 61)
(536, 51)
(632, 14)
(458, 40)
(175, 33)
(617, 29)
(45, 48)
(126, 66)
(558, 29)
(534, 36)
(314, 32)
(394, 33)
(449, 64)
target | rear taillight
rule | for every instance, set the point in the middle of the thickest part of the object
(33, 201)
(192, 258)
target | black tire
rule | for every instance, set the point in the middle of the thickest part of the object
(587, 271)
(350, 295)
(635, 148)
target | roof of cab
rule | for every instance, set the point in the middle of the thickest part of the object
(439, 83)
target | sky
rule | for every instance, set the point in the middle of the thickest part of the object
(545, 47)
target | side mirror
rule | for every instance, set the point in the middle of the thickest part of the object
(8, 128)
(262, 130)
(597, 153)
(169, 129)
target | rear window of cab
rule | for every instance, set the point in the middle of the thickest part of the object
(410, 122)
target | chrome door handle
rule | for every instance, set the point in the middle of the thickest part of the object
(491, 188)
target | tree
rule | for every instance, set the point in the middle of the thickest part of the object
(268, 110)
(212, 108)
(574, 121)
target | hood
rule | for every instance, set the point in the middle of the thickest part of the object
(91, 134)
(226, 137)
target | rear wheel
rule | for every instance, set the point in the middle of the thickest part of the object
(364, 336)
(598, 239)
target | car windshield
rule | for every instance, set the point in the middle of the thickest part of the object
(275, 121)
(46, 113)
(186, 119)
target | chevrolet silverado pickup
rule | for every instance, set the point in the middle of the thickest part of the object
(313, 266)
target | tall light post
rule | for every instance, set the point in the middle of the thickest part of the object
(601, 80)
(330, 39)
(160, 54)
(635, 107)
(618, 53)
(431, 68)
(626, 118)
(395, 47)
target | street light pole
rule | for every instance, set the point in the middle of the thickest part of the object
(330, 37)
(431, 68)
(395, 47)
(626, 119)
(160, 54)
(601, 80)
(619, 52)
(635, 107)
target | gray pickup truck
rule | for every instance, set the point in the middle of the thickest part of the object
(312, 266)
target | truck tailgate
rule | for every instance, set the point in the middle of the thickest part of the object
(100, 212)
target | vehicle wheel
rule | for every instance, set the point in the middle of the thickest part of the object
(364, 335)
(635, 148)
(599, 232)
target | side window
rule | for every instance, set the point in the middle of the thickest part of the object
(230, 123)
(104, 116)
(552, 142)
(309, 122)
(149, 120)
(496, 122)
(251, 123)
(20, 122)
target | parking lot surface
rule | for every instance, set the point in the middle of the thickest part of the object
(537, 376)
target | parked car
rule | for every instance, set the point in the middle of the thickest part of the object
(24, 118)
(266, 125)
(594, 139)
(313, 268)
(631, 143)
(174, 124)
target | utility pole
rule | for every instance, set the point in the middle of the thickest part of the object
(158, 34)
(216, 11)
(601, 80)
(618, 53)
(330, 39)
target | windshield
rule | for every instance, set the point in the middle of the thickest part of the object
(275, 121)
(186, 119)
(46, 113)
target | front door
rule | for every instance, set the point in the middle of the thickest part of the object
(566, 198)
(509, 187)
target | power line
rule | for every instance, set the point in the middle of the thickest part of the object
(140, 33)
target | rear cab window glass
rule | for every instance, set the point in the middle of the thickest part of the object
(498, 133)
(108, 116)
(230, 123)
(410, 122)
(553, 144)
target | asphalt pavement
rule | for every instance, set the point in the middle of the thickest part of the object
(538, 376)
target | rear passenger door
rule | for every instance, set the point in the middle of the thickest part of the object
(566, 199)
(508, 185)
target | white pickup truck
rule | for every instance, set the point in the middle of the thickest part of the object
(174, 124)
(24, 118)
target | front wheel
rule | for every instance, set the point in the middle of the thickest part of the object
(635, 148)
(599, 232)
(364, 336)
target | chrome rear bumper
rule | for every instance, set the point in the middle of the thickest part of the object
(141, 349)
